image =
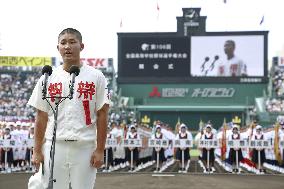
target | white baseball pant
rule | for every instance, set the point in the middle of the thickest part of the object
(71, 164)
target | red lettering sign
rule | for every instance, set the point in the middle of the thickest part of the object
(95, 62)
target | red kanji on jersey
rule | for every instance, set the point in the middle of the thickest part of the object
(55, 90)
(86, 89)
(234, 69)
(86, 105)
(221, 70)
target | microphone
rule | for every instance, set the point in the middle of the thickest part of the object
(74, 71)
(203, 65)
(213, 63)
(46, 71)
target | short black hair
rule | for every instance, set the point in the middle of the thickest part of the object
(72, 31)
(231, 42)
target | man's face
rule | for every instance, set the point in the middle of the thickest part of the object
(208, 129)
(183, 129)
(235, 131)
(229, 48)
(158, 130)
(7, 131)
(69, 47)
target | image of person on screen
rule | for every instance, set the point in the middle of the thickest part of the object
(233, 66)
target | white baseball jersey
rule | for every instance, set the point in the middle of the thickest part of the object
(232, 67)
(76, 117)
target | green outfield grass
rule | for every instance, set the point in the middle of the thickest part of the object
(194, 152)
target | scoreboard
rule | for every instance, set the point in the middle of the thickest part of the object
(171, 58)
(154, 56)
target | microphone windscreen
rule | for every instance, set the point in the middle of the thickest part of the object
(46, 69)
(206, 58)
(75, 70)
(216, 57)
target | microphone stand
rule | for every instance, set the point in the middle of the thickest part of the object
(58, 100)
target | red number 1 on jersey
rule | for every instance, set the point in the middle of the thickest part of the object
(86, 104)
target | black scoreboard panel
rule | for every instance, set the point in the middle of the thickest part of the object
(154, 56)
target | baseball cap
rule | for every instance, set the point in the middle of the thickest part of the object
(208, 126)
(258, 127)
(158, 126)
(235, 127)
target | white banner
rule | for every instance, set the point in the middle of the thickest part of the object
(260, 144)
(158, 143)
(132, 143)
(208, 143)
(182, 143)
(110, 142)
(7, 143)
(237, 143)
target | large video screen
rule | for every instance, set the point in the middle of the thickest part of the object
(228, 56)
(211, 57)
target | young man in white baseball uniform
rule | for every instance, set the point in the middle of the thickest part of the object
(82, 121)
(233, 66)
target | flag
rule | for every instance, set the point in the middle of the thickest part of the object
(120, 25)
(223, 142)
(201, 125)
(276, 144)
(158, 11)
(262, 20)
(250, 151)
(177, 125)
(178, 121)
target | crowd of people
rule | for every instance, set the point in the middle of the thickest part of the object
(275, 104)
(15, 89)
(278, 81)
(17, 157)
(254, 159)
(118, 157)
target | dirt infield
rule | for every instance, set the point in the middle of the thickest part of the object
(165, 181)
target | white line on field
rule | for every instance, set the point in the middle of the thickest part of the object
(162, 175)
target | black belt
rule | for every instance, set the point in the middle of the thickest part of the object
(70, 140)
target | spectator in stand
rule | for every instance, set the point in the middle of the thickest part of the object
(14, 91)
(274, 105)
(278, 81)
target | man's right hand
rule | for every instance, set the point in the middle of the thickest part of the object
(37, 159)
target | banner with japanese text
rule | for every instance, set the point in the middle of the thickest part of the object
(24, 61)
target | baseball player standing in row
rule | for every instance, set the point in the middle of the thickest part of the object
(82, 121)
